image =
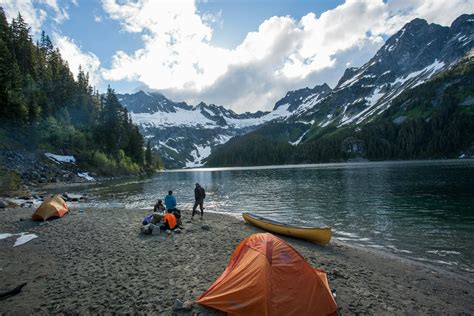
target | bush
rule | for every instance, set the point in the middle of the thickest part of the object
(126, 164)
(108, 166)
(9, 181)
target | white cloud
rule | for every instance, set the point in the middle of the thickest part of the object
(178, 58)
(213, 19)
(61, 13)
(75, 57)
(98, 18)
(34, 12)
(176, 53)
(33, 16)
(434, 11)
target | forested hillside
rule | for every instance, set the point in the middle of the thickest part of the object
(44, 108)
(432, 120)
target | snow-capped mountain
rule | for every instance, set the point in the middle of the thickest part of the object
(186, 135)
(409, 58)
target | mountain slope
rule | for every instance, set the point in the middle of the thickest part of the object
(185, 135)
(411, 57)
(433, 120)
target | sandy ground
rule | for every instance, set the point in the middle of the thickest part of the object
(96, 262)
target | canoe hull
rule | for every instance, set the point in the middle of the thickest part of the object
(320, 236)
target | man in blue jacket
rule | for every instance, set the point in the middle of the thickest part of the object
(170, 202)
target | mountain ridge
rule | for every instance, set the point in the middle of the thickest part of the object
(409, 58)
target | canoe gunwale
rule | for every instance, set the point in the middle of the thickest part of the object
(283, 225)
(321, 236)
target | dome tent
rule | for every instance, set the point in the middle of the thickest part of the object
(52, 207)
(266, 276)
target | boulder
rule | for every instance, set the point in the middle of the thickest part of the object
(72, 197)
(184, 306)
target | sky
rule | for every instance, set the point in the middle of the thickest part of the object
(242, 54)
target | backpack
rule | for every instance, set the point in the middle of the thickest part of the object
(148, 219)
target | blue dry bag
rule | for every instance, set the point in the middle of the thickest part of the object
(147, 220)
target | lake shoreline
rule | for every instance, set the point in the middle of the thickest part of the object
(98, 262)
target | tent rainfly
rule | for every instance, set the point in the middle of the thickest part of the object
(266, 276)
(52, 207)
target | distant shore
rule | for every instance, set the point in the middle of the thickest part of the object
(92, 262)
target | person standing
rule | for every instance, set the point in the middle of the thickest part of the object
(170, 202)
(199, 195)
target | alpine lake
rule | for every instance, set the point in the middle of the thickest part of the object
(419, 210)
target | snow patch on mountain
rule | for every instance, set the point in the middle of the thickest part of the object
(222, 139)
(428, 71)
(167, 146)
(181, 117)
(199, 154)
(299, 139)
(351, 81)
(280, 113)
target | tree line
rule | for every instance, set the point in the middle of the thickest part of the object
(43, 107)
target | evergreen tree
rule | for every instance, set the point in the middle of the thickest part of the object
(42, 101)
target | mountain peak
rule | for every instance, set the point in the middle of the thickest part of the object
(201, 105)
(297, 97)
(465, 19)
(142, 93)
(416, 23)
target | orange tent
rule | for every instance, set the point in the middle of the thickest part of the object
(53, 206)
(266, 276)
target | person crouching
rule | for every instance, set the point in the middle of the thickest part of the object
(169, 222)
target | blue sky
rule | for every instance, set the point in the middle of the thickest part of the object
(240, 17)
(244, 54)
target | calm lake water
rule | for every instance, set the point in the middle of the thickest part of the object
(423, 210)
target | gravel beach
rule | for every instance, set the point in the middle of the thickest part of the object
(97, 261)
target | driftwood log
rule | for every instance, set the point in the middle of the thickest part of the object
(12, 292)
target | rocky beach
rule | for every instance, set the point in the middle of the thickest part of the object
(97, 261)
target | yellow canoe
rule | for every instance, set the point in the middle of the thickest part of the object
(317, 235)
